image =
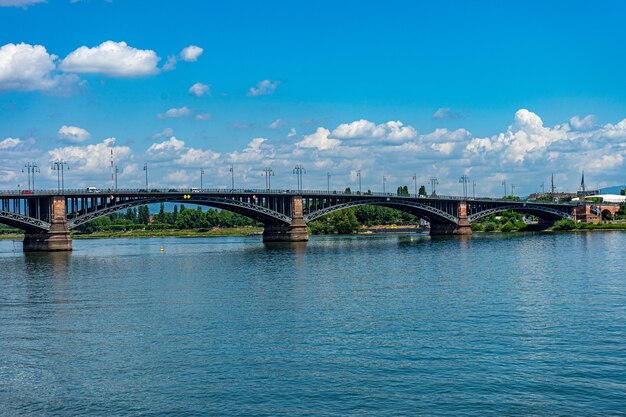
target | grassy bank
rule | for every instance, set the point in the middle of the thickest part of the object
(234, 231)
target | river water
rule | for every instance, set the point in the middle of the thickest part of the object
(384, 325)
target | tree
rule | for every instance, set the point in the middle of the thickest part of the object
(143, 216)
(422, 192)
(348, 190)
(403, 190)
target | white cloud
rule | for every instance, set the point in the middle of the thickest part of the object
(113, 59)
(174, 151)
(191, 53)
(9, 143)
(199, 90)
(172, 144)
(364, 129)
(447, 113)
(91, 159)
(319, 140)
(175, 112)
(19, 3)
(256, 150)
(168, 131)
(203, 116)
(276, 124)
(292, 133)
(586, 123)
(263, 88)
(73, 134)
(25, 67)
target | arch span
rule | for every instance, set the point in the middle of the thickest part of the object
(543, 212)
(425, 211)
(26, 223)
(254, 211)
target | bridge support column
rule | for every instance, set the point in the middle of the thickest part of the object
(463, 226)
(294, 232)
(57, 238)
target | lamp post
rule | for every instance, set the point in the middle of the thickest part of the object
(384, 182)
(464, 179)
(232, 177)
(358, 174)
(59, 166)
(433, 183)
(504, 185)
(268, 172)
(415, 183)
(31, 168)
(512, 190)
(201, 175)
(145, 168)
(474, 190)
(328, 182)
(299, 170)
(117, 171)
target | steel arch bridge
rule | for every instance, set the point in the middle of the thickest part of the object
(281, 211)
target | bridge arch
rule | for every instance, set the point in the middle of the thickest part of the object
(254, 211)
(543, 212)
(26, 223)
(432, 214)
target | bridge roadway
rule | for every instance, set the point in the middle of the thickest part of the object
(48, 216)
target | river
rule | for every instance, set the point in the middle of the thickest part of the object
(493, 324)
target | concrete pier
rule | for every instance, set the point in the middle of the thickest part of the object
(57, 238)
(294, 232)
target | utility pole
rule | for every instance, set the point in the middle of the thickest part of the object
(358, 174)
(117, 171)
(328, 182)
(59, 166)
(232, 177)
(433, 183)
(552, 187)
(464, 179)
(474, 190)
(384, 181)
(31, 168)
(512, 190)
(201, 175)
(504, 185)
(299, 170)
(415, 182)
(145, 168)
(268, 172)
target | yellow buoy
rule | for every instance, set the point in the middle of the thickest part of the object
(162, 249)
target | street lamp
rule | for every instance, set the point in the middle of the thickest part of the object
(117, 171)
(268, 172)
(145, 168)
(358, 174)
(384, 181)
(299, 170)
(504, 185)
(415, 181)
(59, 166)
(31, 168)
(464, 179)
(232, 177)
(328, 182)
(512, 190)
(433, 183)
(474, 190)
(201, 175)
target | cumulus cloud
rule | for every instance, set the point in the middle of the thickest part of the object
(364, 129)
(203, 116)
(191, 53)
(91, 159)
(586, 123)
(319, 140)
(199, 90)
(25, 67)
(19, 3)
(112, 59)
(263, 88)
(256, 150)
(174, 151)
(292, 133)
(73, 134)
(9, 143)
(175, 112)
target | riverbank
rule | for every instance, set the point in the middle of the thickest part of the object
(217, 232)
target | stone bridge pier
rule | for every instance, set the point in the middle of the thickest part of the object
(57, 238)
(294, 232)
(463, 226)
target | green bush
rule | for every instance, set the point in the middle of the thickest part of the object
(507, 227)
(564, 224)
(490, 227)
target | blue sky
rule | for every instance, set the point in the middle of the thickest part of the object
(498, 91)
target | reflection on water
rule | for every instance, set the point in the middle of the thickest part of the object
(341, 325)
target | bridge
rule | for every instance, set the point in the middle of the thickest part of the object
(47, 217)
